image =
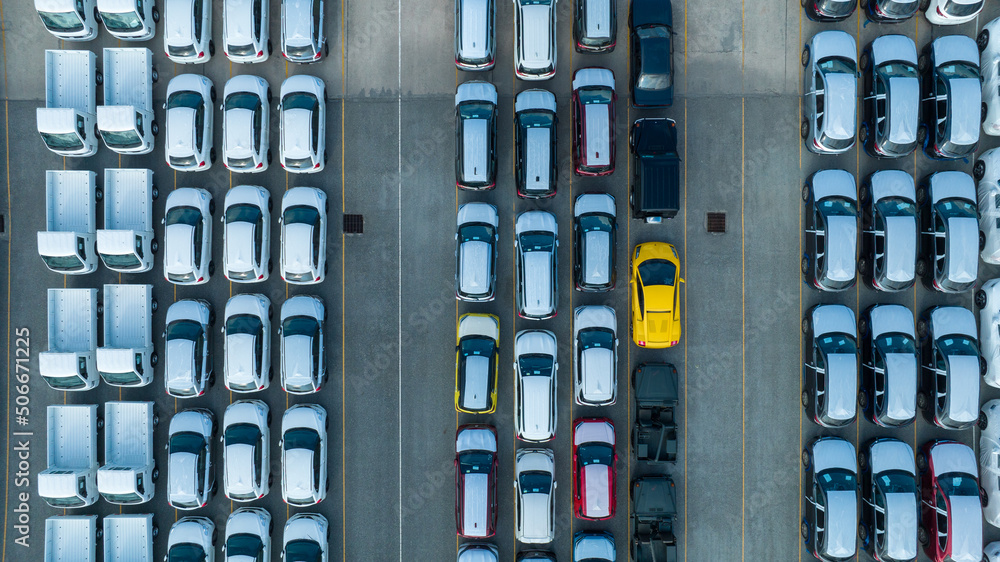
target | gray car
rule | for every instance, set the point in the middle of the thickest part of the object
(951, 367)
(475, 34)
(831, 230)
(952, 97)
(535, 39)
(830, 371)
(889, 230)
(889, 361)
(949, 232)
(476, 252)
(829, 528)
(536, 263)
(595, 228)
(889, 500)
(302, 37)
(476, 135)
(830, 92)
(891, 97)
(535, 119)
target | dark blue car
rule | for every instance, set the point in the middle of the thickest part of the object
(650, 25)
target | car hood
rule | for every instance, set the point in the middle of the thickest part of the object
(892, 183)
(901, 372)
(476, 439)
(841, 527)
(535, 99)
(841, 105)
(891, 455)
(475, 508)
(952, 48)
(966, 529)
(834, 44)
(842, 394)
(891, 318)
(594, 203)
(180, 126)
(901, 248)
(478, 212)
(239, 469)
(893, 48)
(594, 432)
(948, 320)
(841, 243)
(596, 491)
(833, 318)
(903, 108)
(953, 457)
(239, 246)
(833, 453)
(476, 90)
(833, 183)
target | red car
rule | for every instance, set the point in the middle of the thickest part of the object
(951, 526)
(594, 121)
(594, 462)
(476, 480)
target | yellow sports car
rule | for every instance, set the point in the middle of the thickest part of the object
(477, 353)
(656, 315)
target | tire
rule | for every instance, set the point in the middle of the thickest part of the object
(270, 204)
(865, 60)
(99, 194)
(156, 15)
(156, 474)
(805, 193)
(211, 155)
(99, 78)
(921, 329)
(984, 498)
(805, 265)
(270, 47)
(211, 207)
(863, 134)
(155, 76)
(980, 299)
(984, 367)
(863, 266)
(153, 305)
(806, 325)
(922, 401)
(921, 134)
(155, 192)
(983, 422)
(154, 359)
(923, 64)
(270, 312)
(211, 94)
(269, 96)
(155, 128)
(269, 418)
(983, 110)
(154, 246)
(326, 49)
(863, 400)
(863, 461)
(863, 326)
(863, 533)
(863, 193)
(922, 537)
(982, 240)
(921, 267)
(211, 268)
(269, 157)
(211, 49)
(804, 129)
(979, 170)
(270, 266)
(921, 195)
(215, 536)
(100, 423)
(863, 4)
(805, 55)
(921, 463)
(805, 398)
(156, 531)
(983, 39)
(804, 530)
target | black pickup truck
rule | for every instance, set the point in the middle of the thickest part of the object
(656, 169)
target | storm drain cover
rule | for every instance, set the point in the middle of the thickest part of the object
(716, 223)
(354, 224)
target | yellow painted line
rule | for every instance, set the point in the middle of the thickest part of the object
(343, 331)
(684, 529)
(743, 327)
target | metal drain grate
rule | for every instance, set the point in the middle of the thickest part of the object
(354, 224)
(715, 223)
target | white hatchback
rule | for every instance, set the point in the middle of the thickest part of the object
(187, 31)
(534, 495)
(190, 123)
(304, 480)
(306, 537)
(247, 334)
(248, 535)
(303, 235)
(246, 450)
(302, 108)
(303, 355)
(246, 238)
(187, 236)
(246, 115)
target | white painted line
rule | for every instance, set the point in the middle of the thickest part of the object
(399, 254)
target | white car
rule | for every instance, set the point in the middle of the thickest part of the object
(302, 37)
(69, 20)
(304, 479)
(595, 348)
(246, 234)
(187, 236)
(986, 172)
(129, 20)
(989, 456)
(190, 123)
(830, 92)
(987, 300)
(535, 369)
(303, 124)
(303, 235)
(248, 535)
(190, 468)
(952, 12)
(247, 333)
(306, 537)
(482, 552)
(246, 115)
(534, 495)
(187, 31)
(188, 369)
(476, 252)
(246, 450)
(192, 538)
(535, 43)
(245, 38)
(303, 355)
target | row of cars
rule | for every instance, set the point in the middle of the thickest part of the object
(187, 26)
(937, 12)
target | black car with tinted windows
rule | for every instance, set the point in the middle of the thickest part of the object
(476, 135)
(535, 123)
(650, 24)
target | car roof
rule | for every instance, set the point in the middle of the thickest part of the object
(841, 524)
(962, 249)
(963, 110)
(903, 105)
(537, 289)
(900, 248)
(297, 22)
(180, 131)
(298, 247)
(239, 18)
(535, 99)
(535, 38)
(475, 393)
(538, 158)
(475, 505)
(842, 389)
(841, 246)
(840, 105)
(597, 138)
(179, 28)
(475, 149)
(962, 394)
(966, 525)
(474, 38)
(597, 19)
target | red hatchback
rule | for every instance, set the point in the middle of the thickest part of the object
(476, 481)
(594, 121)
(951, 526)
(594, 462)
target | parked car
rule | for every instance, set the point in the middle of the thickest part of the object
(535, 171)
(830, 372)
(595, 349)
(69, 21)
(889, 363)
(477, 358)
(989, 60)
(595, 228)
(534, 495)
(191, 538)
(303, 235)
(891, 98)
(475, 34)
(830, 92)
(951, 93)
(187, 236)
(650, 24)
(535, 39)
(187, 31)
(245, 36)
(594, 474)
(951, 12)
(595, 24)
(829, 528)
(478, 552)
(246, 450)
(248, 534)
(190, 123)
(246, 238)
(303, 124)
(247, 334)
(831, 230)
(654, 285)
(536, 264)
(951, 367)
(535, 368)
(246, 116)
(888, 231)
(306, 537)
(889, 500)
(534, 556)
(949, 232)
(593, 122)
(476, 481)
(829, 10)
(302, 36)
(890, 11)
(951, 515)
(189, 367)
(190, 464)
(989, 453)
(476, 135)
(303, 353)
(986, 172)
(656, 169)
(593, 546)
(987, 300)
(476, 252)
(991, 552)
(304, 450)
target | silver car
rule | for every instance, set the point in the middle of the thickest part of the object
(889, 230)
(302, 24)
(246, 238)
(306, 537)
(188, 371)
(192, 538)
(595, 227)
(248, 535)
(303, 124)
(830, 525)
(476, 252)
(951, 367)
(593, 547)
(478, 552)
(190, 465)
(475, 34)
(889, 500)
(889, 361)
(190, 123)
(534, 495)
(830, 92)
(187, 31)
(476, 135)
(831, 230)
(303, 235)
(246, 451)
(536, 263)
(244, 34)
(304, 479)
(187, 236)
(303, 355)
(952, 97)
(535, 39)
(535, 170)
(246, 116)
(535, 402)
(949, 230)
(891, 97)
(247, 334)
(595, 348)
(830, 372)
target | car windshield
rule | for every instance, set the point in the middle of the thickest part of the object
(960, 9)
(958, 484)
(243, 213)
(184, 330)
(476, 233)
(121, 21)
(180, 50)
(184, 98)
(121, 139)
(476, 345)
(955, 208)
(243, 100)
(187, 442)
(837, 344)
(536, 118)
(958, 70)
(242, 434)
(62, 141)
(303, 550)
(957, 345)
(535, 482)
(836, 65)
(537, 242)
(535, 365)
(64, 383)
(301, 438)
(244, 324)
(301, 214)
(127, 497)
(837, 206)
(299, 51)
(241, 50)
(475, 463)
(182, 161)
(63, 263)
(187, 552)
(896, 207)
(475, 110)
(896, 482)
(596, 223)
(898, 69)
(299, 100)
(595, 454)
(244, 544)
(838, 480)
(64, 22)
(121, 261)
(896, 343)
(596, 337)
(183, 215)
(595, 94)
(299, 326)
(657, 272)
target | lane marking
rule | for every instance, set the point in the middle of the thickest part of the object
(743, 328)
(399, 256)
(799, 273)
(10, 237)
(684, 529)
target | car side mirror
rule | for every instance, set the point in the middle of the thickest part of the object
(682, 280)
(164, 106)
